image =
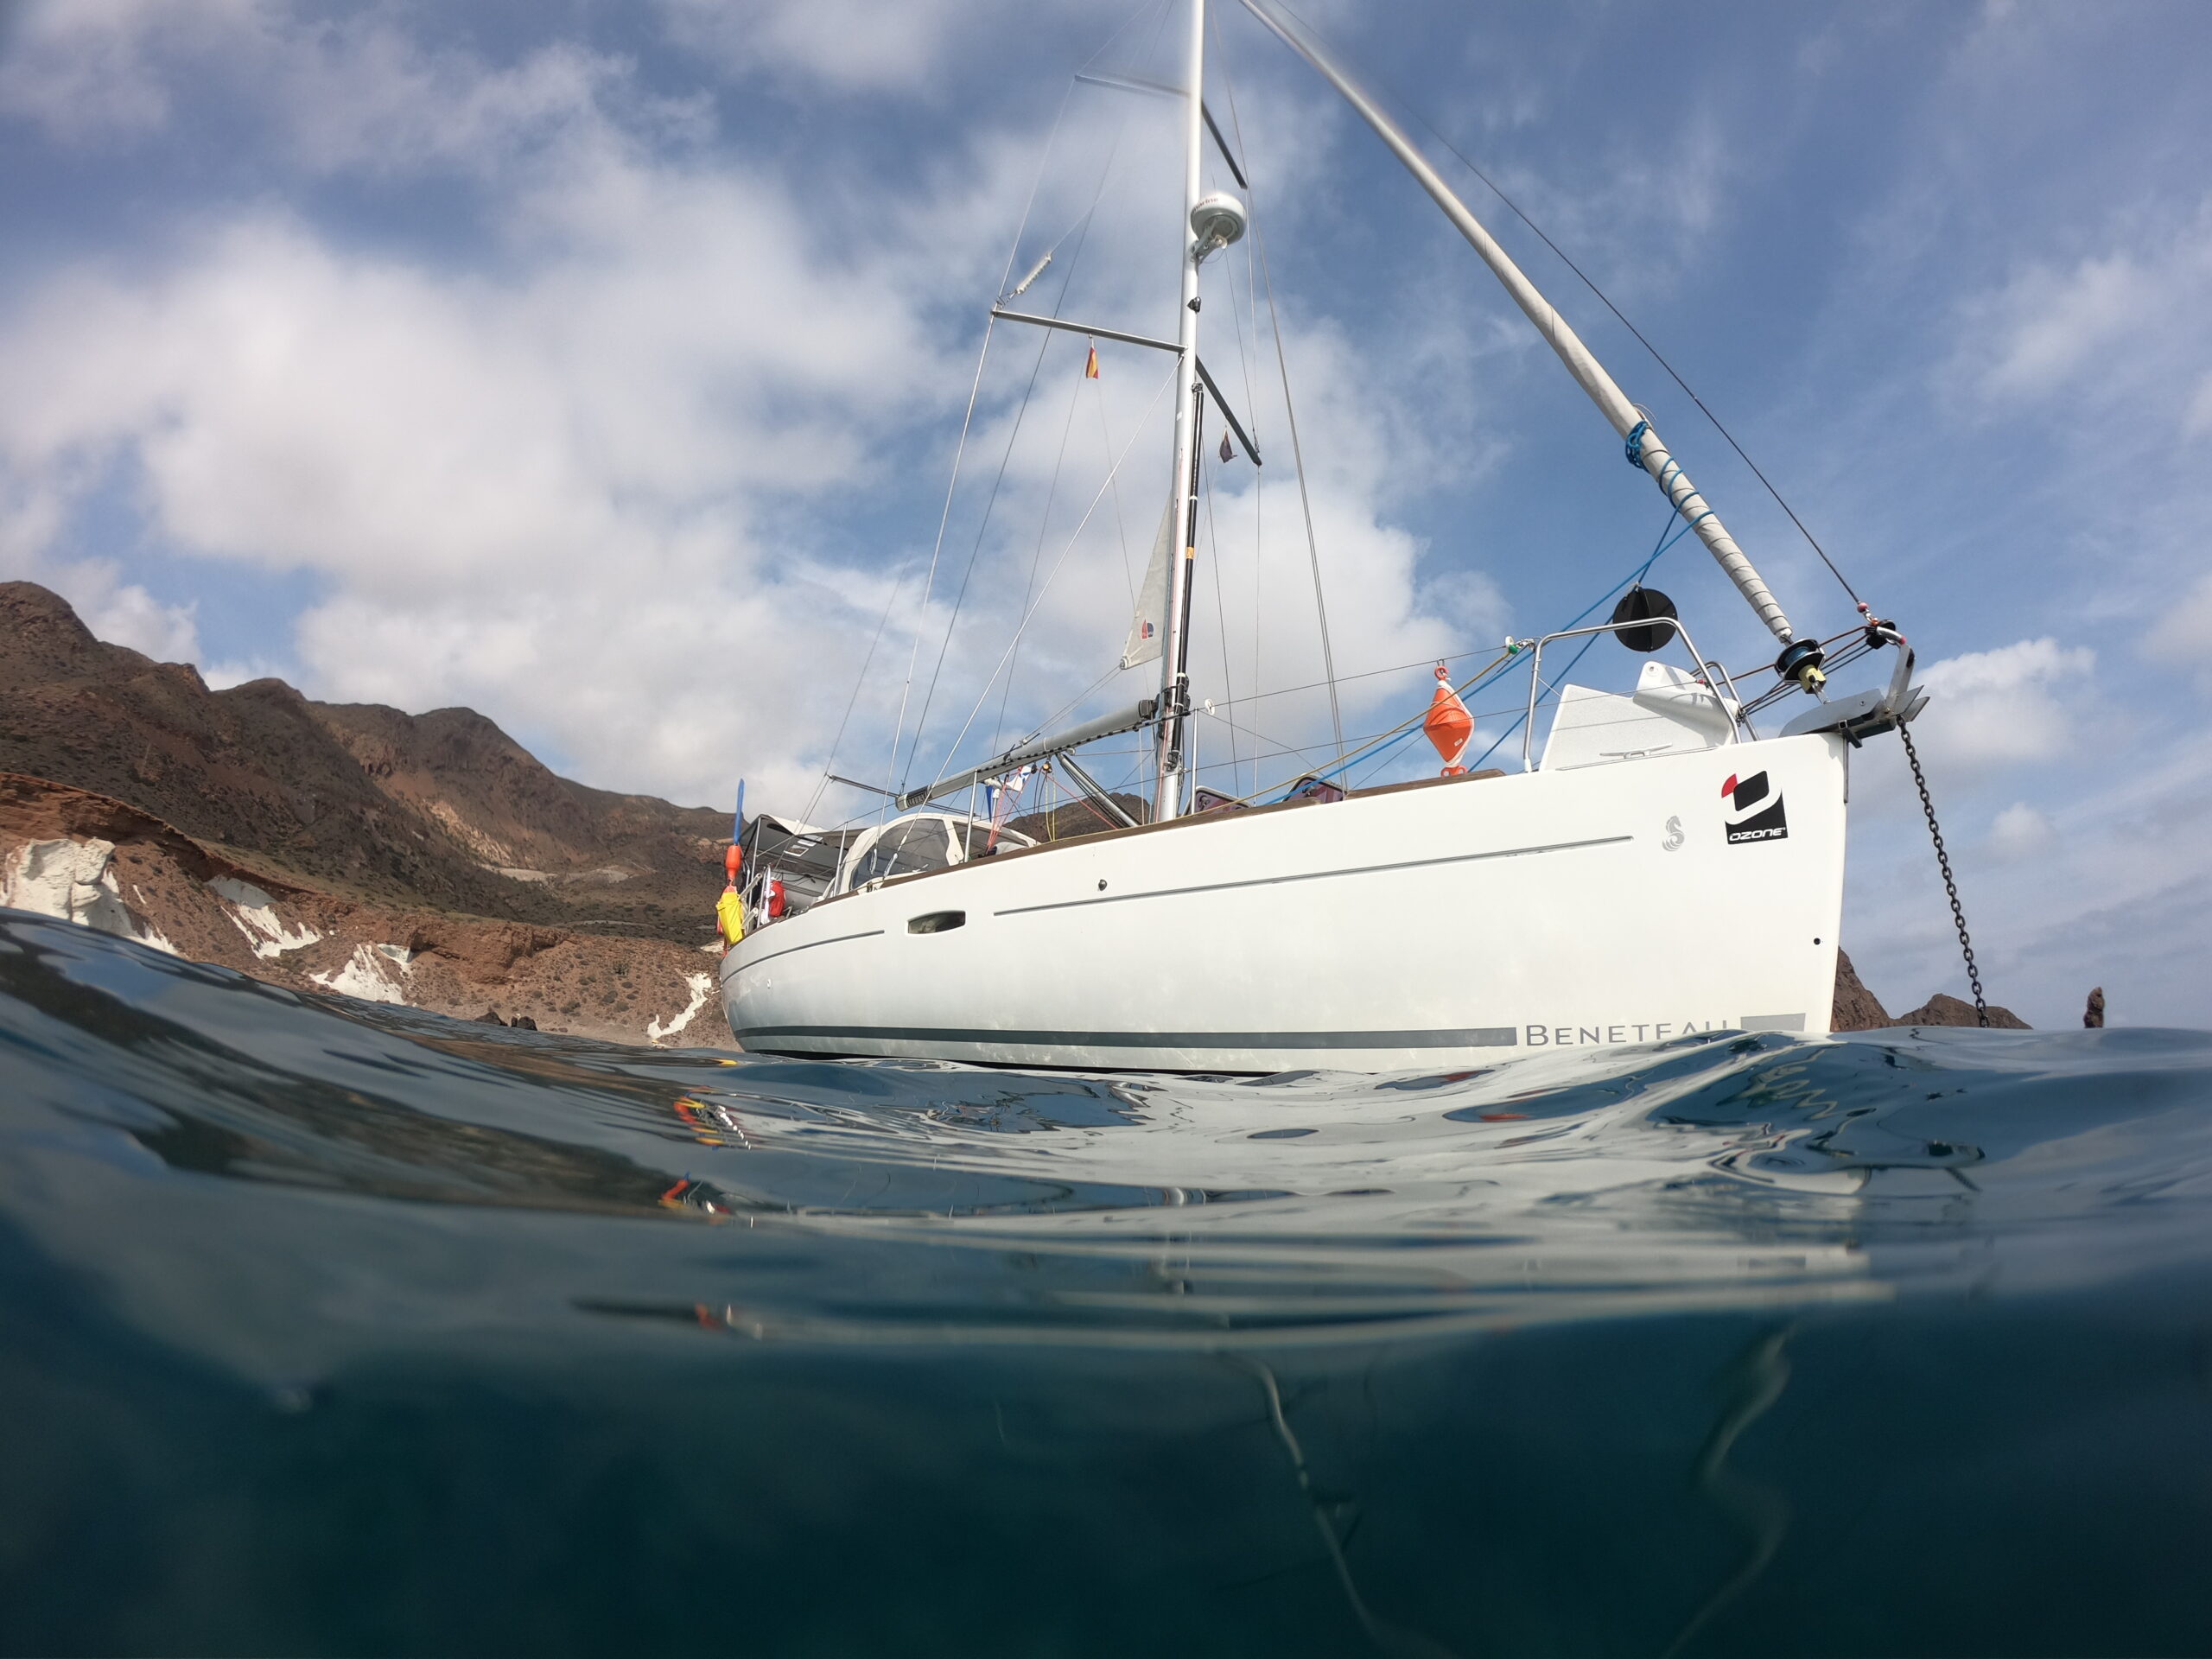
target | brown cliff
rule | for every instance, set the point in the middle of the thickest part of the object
(70, 854)
(441, 810)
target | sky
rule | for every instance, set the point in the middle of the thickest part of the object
(619, 371)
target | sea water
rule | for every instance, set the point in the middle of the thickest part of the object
(331, 1328)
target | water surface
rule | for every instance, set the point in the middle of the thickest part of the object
(330, 1328)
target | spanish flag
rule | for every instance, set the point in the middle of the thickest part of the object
(1090, 366)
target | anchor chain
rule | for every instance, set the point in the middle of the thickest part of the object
(1951, 885)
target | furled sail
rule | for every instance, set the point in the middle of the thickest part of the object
(1151, 618)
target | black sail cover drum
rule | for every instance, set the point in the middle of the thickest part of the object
(1641, 606)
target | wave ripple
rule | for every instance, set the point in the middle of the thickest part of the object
(333, 1327)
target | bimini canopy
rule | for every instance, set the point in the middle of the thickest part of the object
(921, 841)
(799, 855)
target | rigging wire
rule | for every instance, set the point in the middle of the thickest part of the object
(1244, 317)
(1365, 674)
(1290, 413)
(913, 655)
(1120, 525)
(1259, 540)
(1074, 536)
(859, 680)
(1128, 24)
(1248, 348)
(983, 526)
(1037, 555)
(1220, 613)
(1055, 718)
(1637, 575)
(1583, 277)
(1105, 171)
(1305, 499)
(1668, 535)
(1406, 728)
(960, 449)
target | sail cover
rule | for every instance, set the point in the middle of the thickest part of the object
(1151, 598)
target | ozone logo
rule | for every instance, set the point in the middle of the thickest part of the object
(1755, 818)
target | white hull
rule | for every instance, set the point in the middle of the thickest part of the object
(1456, 924)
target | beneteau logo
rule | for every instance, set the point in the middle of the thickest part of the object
(1759, 822)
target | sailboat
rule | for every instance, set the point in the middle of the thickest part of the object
(1657, 868)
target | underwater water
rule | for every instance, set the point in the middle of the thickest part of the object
(328, 1328)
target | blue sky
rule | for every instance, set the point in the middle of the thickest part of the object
(601, 367)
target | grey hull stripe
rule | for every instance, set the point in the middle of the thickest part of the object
(1476, 1037)
(811, 944)
(1773, 1022)
(1312, 876)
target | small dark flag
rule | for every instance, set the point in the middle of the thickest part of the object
(1228, 450)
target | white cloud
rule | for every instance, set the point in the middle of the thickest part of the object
(587, 488)
(2056, 321)
(2020, 831)
(2183, 634)
(84, 70)
(2126, 322)
(122, 613)
(230, 671)
(352, 93)
(2199, 420)
(1471, 602)
(2016, 703)
(534, 496)
(850, 44)
(1637, 225)
(535, 490)
(128, 615)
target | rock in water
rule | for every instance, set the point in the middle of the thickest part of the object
(2093, 1017)
(1944, 1010)
(1857, 1009)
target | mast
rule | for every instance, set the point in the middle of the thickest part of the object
(1800, 660)
(1175, 638)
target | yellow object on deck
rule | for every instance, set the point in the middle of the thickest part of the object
(729, 912)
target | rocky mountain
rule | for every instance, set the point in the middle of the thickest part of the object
(441, 810)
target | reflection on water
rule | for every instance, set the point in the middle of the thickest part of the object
(353, 1329)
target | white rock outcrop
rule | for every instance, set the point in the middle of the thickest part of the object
(253, 912)
(74, 881)
(702, 986)
(368, 973)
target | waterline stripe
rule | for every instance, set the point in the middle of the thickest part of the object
(1312, 875)
(811, 945)
(1475, 1037)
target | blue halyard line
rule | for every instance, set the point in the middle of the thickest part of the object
(1668, 537)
